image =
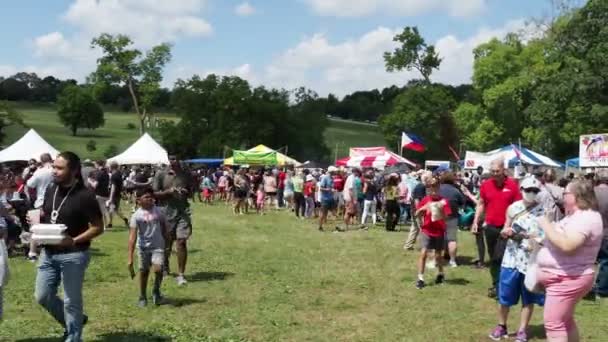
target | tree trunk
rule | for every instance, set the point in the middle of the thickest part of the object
(142, 128)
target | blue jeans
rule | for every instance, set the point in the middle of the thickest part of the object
(601, 283)
(51, 270)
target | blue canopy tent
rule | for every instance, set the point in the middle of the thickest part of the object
(574, 162)
(514, 155)
(206, 161)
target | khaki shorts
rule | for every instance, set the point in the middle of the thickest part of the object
(181, 227)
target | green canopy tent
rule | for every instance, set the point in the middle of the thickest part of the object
(255, 158)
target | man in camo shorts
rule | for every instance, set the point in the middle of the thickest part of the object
(172, 190)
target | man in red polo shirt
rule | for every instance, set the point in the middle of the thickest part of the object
(495, 196)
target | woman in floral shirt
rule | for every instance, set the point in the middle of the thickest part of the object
(522, 221)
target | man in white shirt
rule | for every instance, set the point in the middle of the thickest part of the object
(39, 181)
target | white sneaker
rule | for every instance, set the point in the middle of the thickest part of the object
(453, 264)
(181, 281)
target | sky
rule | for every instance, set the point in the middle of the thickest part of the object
(330, 46)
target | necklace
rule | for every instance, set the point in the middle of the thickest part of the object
(55, 212)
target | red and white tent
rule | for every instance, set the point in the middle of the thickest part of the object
(376, 157)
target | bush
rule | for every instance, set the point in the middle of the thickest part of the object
(131, 126)
(91, 146)
(110, 151)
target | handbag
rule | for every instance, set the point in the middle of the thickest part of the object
(531, 281)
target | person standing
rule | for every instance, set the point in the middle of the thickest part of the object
(328, 203)
(67, 202)
(418, 194)
(298, 195)
(38, 183)
(496, 195)
(99, 181)
(455, 198)
(566, 259)
(172, 192)
(521, 223)
(113, 203)
(601, 194)
(281, 177)
(391, 195)
(370, 190)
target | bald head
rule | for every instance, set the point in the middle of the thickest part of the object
(497, 170)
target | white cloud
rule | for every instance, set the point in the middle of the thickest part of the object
(359, 8)
(357, 64)
(244, 9)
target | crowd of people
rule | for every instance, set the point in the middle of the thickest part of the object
(542, 237)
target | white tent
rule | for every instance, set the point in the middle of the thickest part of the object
(31, 145)
(144, 151)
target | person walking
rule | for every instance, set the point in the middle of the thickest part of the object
(601, 194)
(328, 203)
(391, 195)
(496, 195)
(38, 183)
(298, 195)
(99, 181)
(113, 203)
(566, 259)
(449, 190)
(67, 201)
(370, 191)
(171, 189)
(418, 194)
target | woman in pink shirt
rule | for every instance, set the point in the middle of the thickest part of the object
(566, 260)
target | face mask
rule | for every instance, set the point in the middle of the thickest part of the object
(529, 196)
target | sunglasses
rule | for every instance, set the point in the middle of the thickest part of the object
(532, 190)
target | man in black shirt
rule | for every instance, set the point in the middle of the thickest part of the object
(67, 202)
(113, 204)
(99, 181)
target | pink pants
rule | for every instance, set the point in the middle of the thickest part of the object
(562, 294)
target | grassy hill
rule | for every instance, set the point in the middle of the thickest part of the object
(43, 118)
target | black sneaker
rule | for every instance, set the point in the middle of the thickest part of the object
(492, 292)
(157, 299)
(320, 228)
(420, 284)
(440, 279)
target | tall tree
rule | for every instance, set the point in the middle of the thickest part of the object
(78, 108)
(8, 116)
(413, 53)
(121, 64)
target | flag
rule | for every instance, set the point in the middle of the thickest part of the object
(411, 142)
(454, 152)
(517, 151)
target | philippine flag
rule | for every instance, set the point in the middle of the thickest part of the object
(411, 142)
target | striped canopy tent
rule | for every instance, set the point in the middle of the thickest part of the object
(512, 155)
(282, 159)
(381, 161)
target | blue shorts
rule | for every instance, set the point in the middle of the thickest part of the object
(511, 287)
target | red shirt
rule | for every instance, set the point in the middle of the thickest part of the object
(497, 200)
(437, 228)
(282, 176)
(338, 183)
(309, 189)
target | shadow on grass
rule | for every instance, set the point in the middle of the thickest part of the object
(537, 332)
(457, 281)
(92, 135)
(130, 336)
(97, 253)
(179, 302)
(209, 276)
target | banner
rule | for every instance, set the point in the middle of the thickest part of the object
(255, 158)
(473, 160)
(593, 150)
(367, 151)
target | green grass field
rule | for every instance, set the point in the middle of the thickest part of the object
(272, 278)
(115, 132)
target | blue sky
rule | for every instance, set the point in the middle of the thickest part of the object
(329, 45)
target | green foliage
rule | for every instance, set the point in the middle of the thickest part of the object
(413, 53)
(78, 108)
(8, 116)
(228, 113)
(122, 64)
(91, 146)
(131, 126)
(110, 151)
(425, 111)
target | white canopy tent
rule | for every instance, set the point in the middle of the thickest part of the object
(144, 151)
(31, 145)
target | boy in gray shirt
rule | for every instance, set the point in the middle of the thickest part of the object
(149, 229)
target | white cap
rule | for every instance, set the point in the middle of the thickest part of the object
(332, 169)
(310, 178)
(529, 182)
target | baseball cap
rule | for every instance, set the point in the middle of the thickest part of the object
(310, 178)
(332, 169)
(530, 183)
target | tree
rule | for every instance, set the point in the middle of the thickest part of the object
(425, 111)
(8, 116)
(413, 53)
(123, 65)
(78, 108)
(14, 90)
